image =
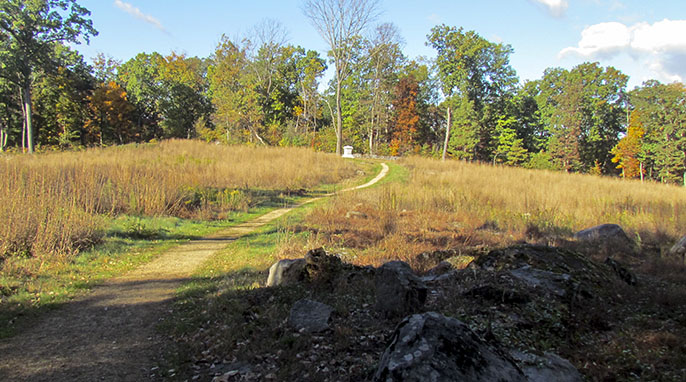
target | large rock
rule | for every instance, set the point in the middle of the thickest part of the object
(546, 368)
(310, 316)
(621, 271)
(286, 272)
(550, 282)
(604, 233)
(433, 347)
(322, 268)
(679, 249)
(398, 290)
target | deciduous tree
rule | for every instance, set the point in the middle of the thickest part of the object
(629, 151)
(28, 31)
(406, 118)
(339, 22)
(477, 72)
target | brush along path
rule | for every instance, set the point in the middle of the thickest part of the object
(110, 334)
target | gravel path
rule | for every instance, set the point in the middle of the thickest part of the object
(109, 335)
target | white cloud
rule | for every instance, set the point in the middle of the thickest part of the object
(556, 8)
(601, 40)
(661, 46)
(135, 12)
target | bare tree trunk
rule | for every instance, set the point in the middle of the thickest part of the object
(23, 135)
(640, 169)
(3, 138)
(339, 118)
(26, 91)
(447, 134)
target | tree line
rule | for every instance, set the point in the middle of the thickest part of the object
(467, 103)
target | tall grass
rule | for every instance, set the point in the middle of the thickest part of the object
(447, 205)
(52, 203)
(514, 198)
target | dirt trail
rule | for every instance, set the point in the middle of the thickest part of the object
(109, 335)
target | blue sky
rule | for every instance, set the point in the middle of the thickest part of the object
(644, 39)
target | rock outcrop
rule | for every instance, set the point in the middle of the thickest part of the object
(679, 249)
(322, 268)
(546, 368)
(286, 272)
(433, 347)
(621, 271)
(609, 237)
(398, 290)
(310, 316)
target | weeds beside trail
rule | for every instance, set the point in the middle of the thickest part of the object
(72, 218)
(50, 203)
(448, 205)
(113, 327)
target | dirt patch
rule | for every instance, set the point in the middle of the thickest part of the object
(110, 334)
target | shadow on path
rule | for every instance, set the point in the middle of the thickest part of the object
(110, 334)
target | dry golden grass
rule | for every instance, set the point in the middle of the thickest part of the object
(448, 205)
(50, 203)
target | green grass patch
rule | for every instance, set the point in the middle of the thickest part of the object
(30, 286)
(397, 173)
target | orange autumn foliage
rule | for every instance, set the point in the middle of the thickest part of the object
(627, 151)
(406, 119)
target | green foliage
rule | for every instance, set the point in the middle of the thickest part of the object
(476, 72)
(584, 109)
(663, 118)
(510, 148)
(464, 130)
(541, 160)
(29, 32)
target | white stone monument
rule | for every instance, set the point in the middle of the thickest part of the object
(347, 152)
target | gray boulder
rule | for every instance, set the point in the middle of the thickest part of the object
(604, 233)
(545, 368)
(398, 290)
(679, 249)
(433, 347)
(621, 271)
(550, 282)
(310, 316)
(286, 272)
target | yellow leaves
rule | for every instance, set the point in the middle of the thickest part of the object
(627, 150)
(297, 111)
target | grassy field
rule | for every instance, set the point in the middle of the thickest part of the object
(76, 218)
(226, 318)
(54, 200)
(71, 219)
(448, 205)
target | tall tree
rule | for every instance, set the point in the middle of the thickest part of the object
(385, 60)
(28, 31)
(339, 22)
(142, 79)
(234, 95)
(309, 68)
(477, 72)
(628, 153)
(111, 116)
(59, 98)
(662, 114)
(584, 109)
(183, 100)
(406, 119)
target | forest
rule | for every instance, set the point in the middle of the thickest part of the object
(466, 103)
